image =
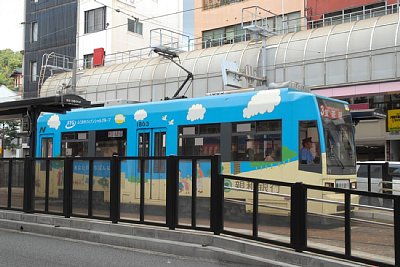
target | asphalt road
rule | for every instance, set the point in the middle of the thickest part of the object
(26, 249)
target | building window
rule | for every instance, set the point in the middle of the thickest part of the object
(34, 32)
(226, 35)
(216, 3)
(95, 20)
(33, 71)
(135, 26)
(88, 61)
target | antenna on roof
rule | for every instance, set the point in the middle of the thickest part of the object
(168, 54)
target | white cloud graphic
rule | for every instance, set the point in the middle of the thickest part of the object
(263, 101)
(54, 122)
(196, 112)
(140, 115)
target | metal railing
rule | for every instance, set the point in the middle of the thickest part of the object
(189, 192)
(353, 16)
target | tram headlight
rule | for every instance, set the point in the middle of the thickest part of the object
(329, 184)
(353, 185)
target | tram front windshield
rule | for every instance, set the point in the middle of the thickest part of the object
(338, 134)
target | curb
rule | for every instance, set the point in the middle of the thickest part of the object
(188, 243)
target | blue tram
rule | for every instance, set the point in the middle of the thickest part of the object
(259, 134)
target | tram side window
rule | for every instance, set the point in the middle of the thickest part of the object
(199, 140)
(309, 147)
(160, 151)
(110, 142)
(74, 144)
(47, 148)
(257, 141)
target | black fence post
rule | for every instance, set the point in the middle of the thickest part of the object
(28, 184)
(115, 189)
(142, 163)
(67, 197)
(369, 182)
(47, 184)
(387, 185)
(9, 183)
(194, 193)
(396, 211)
(90, 192)
(172, 192)
(217, 196)
(347, 223)
(298, 206)
(255, 208)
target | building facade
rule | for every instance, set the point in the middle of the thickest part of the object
(50, 27)
(219, 22)
(61, 35)
(118, 26)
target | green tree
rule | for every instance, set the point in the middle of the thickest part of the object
(9, 61)
(9, 134)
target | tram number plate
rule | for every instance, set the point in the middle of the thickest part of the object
(345, 184)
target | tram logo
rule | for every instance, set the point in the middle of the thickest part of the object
(70, 124)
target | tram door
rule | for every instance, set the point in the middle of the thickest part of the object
(152, 143)
(46, 151)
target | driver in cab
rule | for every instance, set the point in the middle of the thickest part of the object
(306, 157)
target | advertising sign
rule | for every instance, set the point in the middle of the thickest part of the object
(394, 120)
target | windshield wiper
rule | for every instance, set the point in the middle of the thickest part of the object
(337, 158)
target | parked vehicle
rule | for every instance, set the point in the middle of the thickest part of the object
(381, 181)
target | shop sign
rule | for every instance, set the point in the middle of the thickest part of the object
(394, 120)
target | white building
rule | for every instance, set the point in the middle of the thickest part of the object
(118, 26)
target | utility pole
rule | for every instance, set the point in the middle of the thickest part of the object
(2, 140)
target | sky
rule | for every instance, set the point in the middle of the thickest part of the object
(11, 29)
